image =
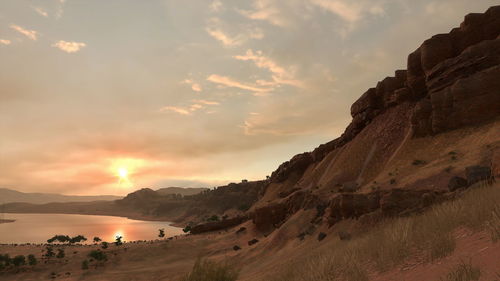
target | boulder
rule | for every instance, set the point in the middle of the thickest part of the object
(241, 230)
(297, 165)
(236, 248)
(457, 183)
(321, 236)
(351, 205)
(252, 242)
(267, 218)
(217, 225)
(397, 201)
(476, 174)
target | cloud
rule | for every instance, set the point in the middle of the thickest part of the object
(5, 42)
(194, 86)
(217, 29)
(176, 109)
(40, 11)
(216, 6)
(266, 10)
(280, 74)
(69, 47)
(195, 106)
(31, 34)
(228, 82)
(206, 102)
(60, 9)
(349, 12)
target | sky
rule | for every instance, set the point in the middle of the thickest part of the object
(105, 97)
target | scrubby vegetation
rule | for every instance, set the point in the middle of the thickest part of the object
(207, 270)
(463, 272)
(389, 244)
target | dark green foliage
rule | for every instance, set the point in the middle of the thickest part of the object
(118, 241)
(162, 233)
(59, 238)
(77, 239)
(60, 253)
(213, 218)
(32, 260)
(187, 229)
(49, 252)
(104, 245)
(97, 239)
(19, 260)
(98, 255)
(85, 264)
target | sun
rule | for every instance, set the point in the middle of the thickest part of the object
(122, 173)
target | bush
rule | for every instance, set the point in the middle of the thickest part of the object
(32, 260)
(187, 229)
(207, 270)
(60, 253)
(98, 255)
(85, 264)
(19, 260)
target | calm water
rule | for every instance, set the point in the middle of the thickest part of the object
(37, 228)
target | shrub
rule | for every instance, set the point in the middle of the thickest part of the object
(98, 255)
(463, 272)
(19, 260)
(85, 264)
(32, 260)
(60, 253)
(187, 229)
(104, 245)
(207, 270)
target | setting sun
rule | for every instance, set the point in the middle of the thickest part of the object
(123, 173)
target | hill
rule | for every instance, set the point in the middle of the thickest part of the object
(184, 191)
(10, 196)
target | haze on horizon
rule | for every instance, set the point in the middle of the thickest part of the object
(104, 97)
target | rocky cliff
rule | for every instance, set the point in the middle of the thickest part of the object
(410, 140)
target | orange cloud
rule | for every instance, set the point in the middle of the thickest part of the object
(5, 42)
(31, 34)
(69, 47)
(228, 82)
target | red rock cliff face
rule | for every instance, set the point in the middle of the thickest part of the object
(452, 82)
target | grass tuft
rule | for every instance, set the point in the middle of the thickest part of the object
(463, 272)
(207, 270)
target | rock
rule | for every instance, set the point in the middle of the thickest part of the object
(343, 235)
(297, 165)
(269, 217)
(321, 236)
(476, 174)
(398, 201)
(242, 229)
(347, 205)
(236, 248)
(456, 183)
(435, 50)
(252, 242)
(217, 225)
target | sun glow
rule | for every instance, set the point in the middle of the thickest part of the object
(125, 169)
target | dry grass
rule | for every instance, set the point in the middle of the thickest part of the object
(207, 270)
(494, 224)
(389, 244)
(463, 272)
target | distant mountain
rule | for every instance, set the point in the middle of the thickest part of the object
(180, 190)
(10, 196)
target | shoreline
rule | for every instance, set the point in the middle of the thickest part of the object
(127, 216)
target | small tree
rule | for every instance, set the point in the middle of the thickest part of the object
(77, 239)
(118, 241)
(19, 260)
(162, 233)
(60, 253)
(104, 245)
(32, 260)
(97, 240)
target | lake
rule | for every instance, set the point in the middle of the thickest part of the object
(37, 228)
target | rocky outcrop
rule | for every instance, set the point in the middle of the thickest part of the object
(217, 225)
(297, 165)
